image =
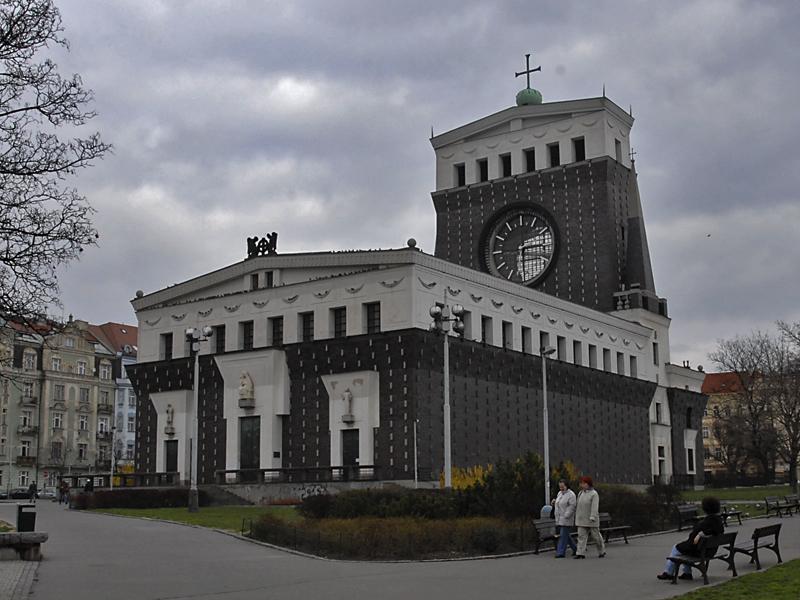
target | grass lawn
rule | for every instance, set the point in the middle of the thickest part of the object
(781, 582)
(220, 517)
(744, 493)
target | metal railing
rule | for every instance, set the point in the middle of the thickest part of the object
(299, 474)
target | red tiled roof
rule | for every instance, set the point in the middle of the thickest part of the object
(115, 336)
(721, 383)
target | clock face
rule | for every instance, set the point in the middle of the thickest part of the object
(520, 245)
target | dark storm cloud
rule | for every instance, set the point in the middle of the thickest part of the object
(233, 118)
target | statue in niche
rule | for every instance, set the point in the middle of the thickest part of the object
(347, 398)
(169, 428)
(246, 390)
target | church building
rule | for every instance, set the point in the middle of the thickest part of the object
(326, 366)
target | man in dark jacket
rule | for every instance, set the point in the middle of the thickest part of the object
(711, 525)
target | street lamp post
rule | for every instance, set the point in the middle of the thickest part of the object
(194, 336)
(442, 318)
(545, 352)
(113, 455)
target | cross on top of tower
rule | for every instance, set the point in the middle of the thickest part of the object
(528, 95)
(527, 72)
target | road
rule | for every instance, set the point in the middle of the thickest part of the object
(93, 556)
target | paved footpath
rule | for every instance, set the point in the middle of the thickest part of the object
(92, 556)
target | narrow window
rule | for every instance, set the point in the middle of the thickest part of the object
(577, 352)
(372, 316)
(527, 340)
(307, 327)
(530, 160)
(544, 340)
(269, 279)
(508, 335)
(690, 460)
(483, 169)
(655, 353)
(579, 149)
(593, 356)
(505, 165)
(634, 367)
(706, 433)
(486, 329)
(561, 347)
(620, 363)
(339, 319)
(618, 150)
(246, 335)
(83, 395)
(467, 319)
(606, 360)
(219, 339)
(459, 175)
(166, 346)
(276, 331)
(555, 155)
(254, 281)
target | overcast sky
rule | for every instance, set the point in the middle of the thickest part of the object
(312, 119)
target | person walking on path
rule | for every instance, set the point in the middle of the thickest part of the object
(587, 518)
(564, 506)
(711, 525)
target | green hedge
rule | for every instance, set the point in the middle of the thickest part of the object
(396, 538)
(135, 498)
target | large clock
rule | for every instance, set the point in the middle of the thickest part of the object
(520, 244)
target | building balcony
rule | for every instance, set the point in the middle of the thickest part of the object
(105, 408)
(29, 401)
(103, 464)
(27, 429)
(104, 436)
(26, 461)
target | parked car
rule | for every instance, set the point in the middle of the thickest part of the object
(3, 495)
(20, 494)
(47, 494)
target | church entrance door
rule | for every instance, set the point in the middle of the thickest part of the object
(349, 452)
(170, 456)
(249, 447)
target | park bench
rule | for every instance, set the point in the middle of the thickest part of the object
(774, 504)
(544, 530)
(757, 541)
(687, 513)
(792, 503)
(25, 545)
(719, 547)
(726, 512)
(607, 529)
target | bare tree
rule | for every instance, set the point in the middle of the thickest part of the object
(44, 221)
(730, 432)
(746, 357)
(785, 390)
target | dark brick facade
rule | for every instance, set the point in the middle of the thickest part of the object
(591, 207)
(598, 420)
(686, 411)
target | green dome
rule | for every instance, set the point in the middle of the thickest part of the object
(529, 96)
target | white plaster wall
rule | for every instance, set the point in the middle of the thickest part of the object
(365, 387)
(270, 376)
(690, 442)
(183, 404)
(599, 130)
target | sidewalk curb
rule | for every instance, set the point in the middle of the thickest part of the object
(243, 538)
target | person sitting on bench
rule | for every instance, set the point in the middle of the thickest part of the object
(709, 526)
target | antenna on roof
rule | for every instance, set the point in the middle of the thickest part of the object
(604, 90)
(630, 109)
(431, 130)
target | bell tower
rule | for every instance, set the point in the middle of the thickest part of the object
(545, 195)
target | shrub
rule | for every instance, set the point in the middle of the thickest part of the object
(392, 538)
(136, 498)
(317, 506)
(643, 512)
(485, 540)
(426, 504)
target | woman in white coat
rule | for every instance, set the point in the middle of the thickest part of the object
(587, 518)
(564, 505)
